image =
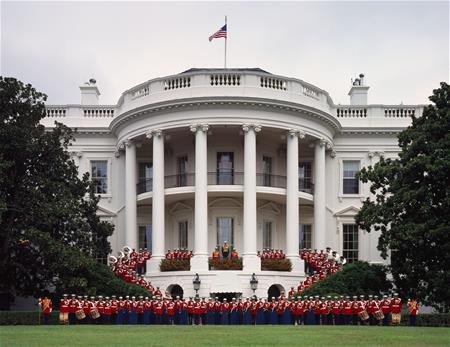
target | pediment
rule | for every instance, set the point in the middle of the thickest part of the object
(180, 207)
(348, 211)
(104, 212)
(270, 207)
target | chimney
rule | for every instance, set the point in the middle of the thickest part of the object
(89, 93)
(358, 91)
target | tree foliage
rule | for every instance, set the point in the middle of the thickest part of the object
(48, 214)
(357, 278)
(411, 205)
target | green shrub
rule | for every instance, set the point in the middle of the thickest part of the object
(225, 264)
(276, 265)
(175, 265)
(26, 318)
(98, 279)
(357, 278)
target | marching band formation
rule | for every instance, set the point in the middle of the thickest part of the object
(248, 311)
(293, 309)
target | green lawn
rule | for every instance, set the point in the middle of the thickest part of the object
(44, 336)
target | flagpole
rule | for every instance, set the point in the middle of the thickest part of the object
(226, 43)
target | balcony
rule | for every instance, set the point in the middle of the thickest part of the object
(225, 178)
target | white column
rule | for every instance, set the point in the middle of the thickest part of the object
(131, 237)
(200, 260)
(158, 203)
(251, 261)
(319, 196)
(292, 203)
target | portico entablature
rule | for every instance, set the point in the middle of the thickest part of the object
(313, 123)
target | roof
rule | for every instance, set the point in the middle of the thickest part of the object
(253, 69)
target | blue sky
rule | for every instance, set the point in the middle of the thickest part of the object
(402, 47)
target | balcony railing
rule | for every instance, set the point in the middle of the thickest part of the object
(179, 180)
(144, 186)
(225, 178)
(269, 180)
(305, 185)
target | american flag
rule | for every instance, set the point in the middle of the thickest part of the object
(222, 32)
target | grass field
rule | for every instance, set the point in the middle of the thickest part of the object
(44, 336)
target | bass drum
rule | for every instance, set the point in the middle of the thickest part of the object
(396, 318)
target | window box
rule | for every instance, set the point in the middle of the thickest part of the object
(175, 265)
(276, 265)
(225, 264)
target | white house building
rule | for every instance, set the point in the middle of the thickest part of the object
(208, 155)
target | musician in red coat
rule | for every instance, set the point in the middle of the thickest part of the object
(46, 306)
(114, 305)
(73, 307)
(396, 309)
(413, 309)
(386, 309)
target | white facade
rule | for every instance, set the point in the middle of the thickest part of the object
(237, 149)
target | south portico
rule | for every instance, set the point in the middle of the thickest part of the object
(250, 191)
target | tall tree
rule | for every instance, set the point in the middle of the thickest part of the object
(411, 207)
(48, 214)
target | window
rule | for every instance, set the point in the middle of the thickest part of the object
(304, 176)
(99, 173)
(267, 234)
(145, 237)
(267, 171)
(183, 235)
(225, 232)
(145, 177)
(225, 167)
(305, 236)
(182, 163)
(350, 183)
(351, 244)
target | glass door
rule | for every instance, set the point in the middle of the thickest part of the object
(225, 168)
(225, 231)
(182, 163)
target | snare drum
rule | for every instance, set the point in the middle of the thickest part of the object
(379, 315)
(94, 313)
(363, 315)
(80, 314)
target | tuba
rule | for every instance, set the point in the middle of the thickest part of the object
(120, 255)
(127, 250)
(112, 260)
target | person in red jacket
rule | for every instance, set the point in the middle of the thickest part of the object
(64, 310)
(385, 306)
(396, 309)
(46, 306)
(73, 307)
(413, 309)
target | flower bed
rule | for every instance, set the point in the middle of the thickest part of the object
(175, 265)
(276, 265)
(225, 264)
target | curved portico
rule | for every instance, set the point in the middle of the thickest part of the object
(246, 181)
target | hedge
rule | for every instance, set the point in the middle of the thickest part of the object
(26, 318)
(32, 318)
(175, 265)
(276, 265)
